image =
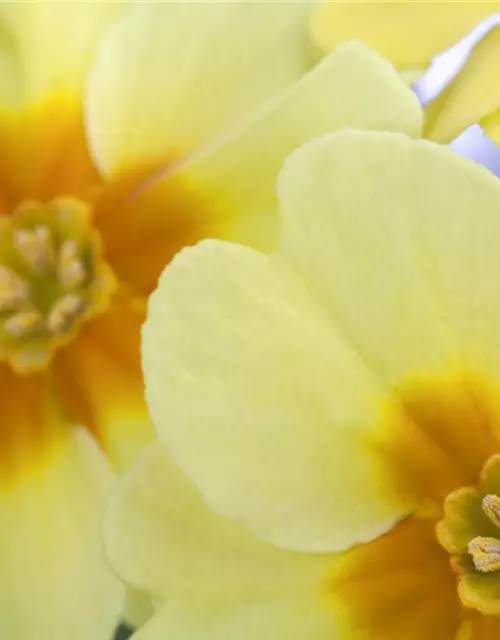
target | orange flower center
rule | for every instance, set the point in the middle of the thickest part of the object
(52, 278)
(435, 574)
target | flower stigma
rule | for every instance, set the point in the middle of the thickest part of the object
(52, 278)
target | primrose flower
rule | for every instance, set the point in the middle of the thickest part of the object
(410, 34)
(126, 132)
(333, 409)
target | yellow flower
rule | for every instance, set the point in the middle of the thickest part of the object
(337, 406)
(189, 110)
(410, 34)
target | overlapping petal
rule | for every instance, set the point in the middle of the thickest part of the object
(48, 47)
(54, 485)
(400, 248)
(473, 95)
(228, 188)
(296, 617)
(351, 88)
(211, 578)
(172, 75)
(277, 435)
(410, 34)
(286, 356)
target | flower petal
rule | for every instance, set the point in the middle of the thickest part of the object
(161, 536)
(47, 47)
(410, 76)
(410, 34)
(351, 88)
(473, 94)
(298, 616)
(401, 248)
(100, 377)
(138, 608)
(214, 193)
(491, 125)
(217, 580)
(55, 583)
(165, 82)
(263, 403)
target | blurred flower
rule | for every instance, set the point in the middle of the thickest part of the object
(189, 109)
(411, 34)
(334, 403)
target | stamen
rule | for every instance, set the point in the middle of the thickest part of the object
(35, 247)
(53, 278)
(485, 553)
(13, 289)
(24, 323)
(70, 270)
(63, 312)
(491, 507)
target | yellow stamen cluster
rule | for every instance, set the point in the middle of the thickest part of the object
(52, 277)
(485, 551)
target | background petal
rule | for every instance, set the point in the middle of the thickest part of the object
(48, 47)
(55, 582)
(161, 536)
(408, 33)
(351, 88)
(172, 75)
(216, 579)
(214, 192)
(138, 608)
(472, 96)
(295, 617)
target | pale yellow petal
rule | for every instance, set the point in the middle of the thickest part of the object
(55, 582)
(349, 203)
(172, 75)
(299, 615)
(401, 248)
(263, 402)
(473, 94)
(216, 579)
(138, 608)
(162, 537)
(409, 76)
(48, 47)
(491, 126)
(351, 88)
(409, 33)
